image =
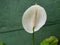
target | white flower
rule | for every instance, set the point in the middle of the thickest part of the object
(34, 16)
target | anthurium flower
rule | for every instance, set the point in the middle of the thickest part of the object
(34, 16)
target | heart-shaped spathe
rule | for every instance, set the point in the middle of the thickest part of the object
(34, 16)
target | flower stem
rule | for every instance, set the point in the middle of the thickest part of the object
(33, 37)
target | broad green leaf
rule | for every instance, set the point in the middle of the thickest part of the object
(52, 40)
(1, 43)
(44, 43)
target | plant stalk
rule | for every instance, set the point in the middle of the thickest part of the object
(33, 37)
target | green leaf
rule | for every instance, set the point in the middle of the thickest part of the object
(1, 43)
(52, 40)
(44, 43)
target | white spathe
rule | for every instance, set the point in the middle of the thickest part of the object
(28, 17)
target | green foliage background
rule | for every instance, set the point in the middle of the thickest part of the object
(11, 12)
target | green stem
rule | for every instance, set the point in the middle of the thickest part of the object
(33, 37)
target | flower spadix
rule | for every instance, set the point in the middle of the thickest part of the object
(35, 16)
